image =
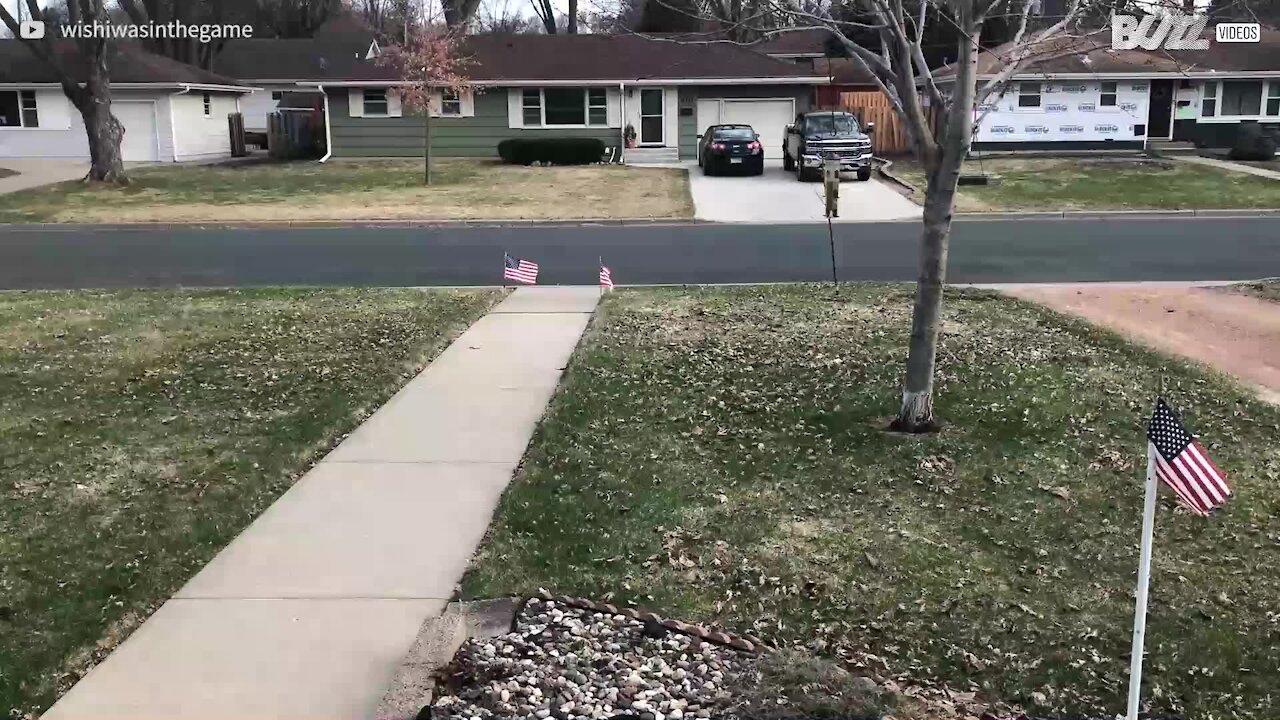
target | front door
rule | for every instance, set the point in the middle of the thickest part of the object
(652, 123)
(1160, 114)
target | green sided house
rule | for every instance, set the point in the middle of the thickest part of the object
(596, 86)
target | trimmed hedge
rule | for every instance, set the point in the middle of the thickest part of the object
(1252, 143)
(557, 151)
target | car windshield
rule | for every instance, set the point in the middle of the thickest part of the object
(831, 125)
(736, 133)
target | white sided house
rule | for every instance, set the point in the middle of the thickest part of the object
(1084, 95)
(171, 112)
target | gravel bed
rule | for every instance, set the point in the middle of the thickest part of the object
(571, 664)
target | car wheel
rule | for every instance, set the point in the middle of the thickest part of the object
(706, 168)
(787, 164)
(758, 169)
(864, 175)
(801, 175)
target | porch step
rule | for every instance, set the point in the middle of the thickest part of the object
(1172, 147)
(652, 156)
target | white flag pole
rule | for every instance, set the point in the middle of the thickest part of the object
(1144, 578)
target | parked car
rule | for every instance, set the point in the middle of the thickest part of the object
(730, 147)
(816, 135)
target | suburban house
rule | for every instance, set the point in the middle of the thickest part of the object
(171, 112)
(285, 72)
(1080, 93)
(597, 86)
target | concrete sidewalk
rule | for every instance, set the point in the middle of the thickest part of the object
(1227, 165)
(308, 613)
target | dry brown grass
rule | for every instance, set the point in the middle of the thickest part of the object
(363, 190)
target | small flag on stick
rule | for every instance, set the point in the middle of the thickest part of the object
(606, 278)
(1182, 463)
(522, 271)
(1175, 458)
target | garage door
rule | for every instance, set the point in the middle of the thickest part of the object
(769, 118)
(139, 120)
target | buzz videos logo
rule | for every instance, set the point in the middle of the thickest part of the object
(31, 30)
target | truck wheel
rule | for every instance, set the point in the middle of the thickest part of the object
(864, 175)
(787, 163)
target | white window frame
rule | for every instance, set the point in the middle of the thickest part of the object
(1209, 93)
(386, 102)
(1262, 92)
(206, 102)
(1114, 93)
(450, 98)
(22, 108)
(526, 93)
(1271, 93)
(1038, 95)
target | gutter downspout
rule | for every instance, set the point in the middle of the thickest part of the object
(622, 126)
(173, 123)
(328, 126)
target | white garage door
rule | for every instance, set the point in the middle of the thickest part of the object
(139, 120)
(769, 118)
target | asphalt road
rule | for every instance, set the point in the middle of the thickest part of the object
(1040, 250)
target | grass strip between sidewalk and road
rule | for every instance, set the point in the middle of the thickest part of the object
(360, 190)
(1101, 183)
(140, 431)
(719, 455)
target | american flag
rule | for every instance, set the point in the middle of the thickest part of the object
(1182, 463)
(606, 278)
(519, 270)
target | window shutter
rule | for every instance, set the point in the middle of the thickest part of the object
(468, 98)
(394, 108)
(515, 108)
(355, 102)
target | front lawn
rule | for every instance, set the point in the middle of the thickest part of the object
(361, 190)
(141, 431)
(1102, 183)
(719, 455)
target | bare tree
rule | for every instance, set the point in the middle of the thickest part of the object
(546, 12)
(91, 95)
(940, 124)
(459, 13)
(498, 16)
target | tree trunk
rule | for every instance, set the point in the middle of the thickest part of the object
(426, 146)
(572, 25)
(105, 133)
(916, 413)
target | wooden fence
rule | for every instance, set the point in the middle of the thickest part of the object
(890, 136)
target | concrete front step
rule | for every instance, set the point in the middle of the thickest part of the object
(651, 156)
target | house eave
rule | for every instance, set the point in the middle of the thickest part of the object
(1185, 75)
(805, 80)
(140, 86)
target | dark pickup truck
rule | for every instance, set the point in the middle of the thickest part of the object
(816, 135)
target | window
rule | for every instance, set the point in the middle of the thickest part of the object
(18, 109)
(1108, 96)
(1241, 97)
(208, 104)
(565, 107)
(450, 103)
(1028, 95)
(597, 107)
(532, 107)
(375, 103)
(1209, 100)
(1273, 97)
(277, 95)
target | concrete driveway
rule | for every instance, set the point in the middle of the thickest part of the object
(34, 172)
(777, 197)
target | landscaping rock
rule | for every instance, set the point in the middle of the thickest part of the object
(589, 666)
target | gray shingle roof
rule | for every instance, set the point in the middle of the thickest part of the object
(127, 63)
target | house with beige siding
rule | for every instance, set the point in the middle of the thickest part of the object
(666, 92)
(171, 112)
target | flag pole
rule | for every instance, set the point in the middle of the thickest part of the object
(600, 262)
(1144, 579)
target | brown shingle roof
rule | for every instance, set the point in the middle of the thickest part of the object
(334, 51)
(843, 71)
(499, 57)
(1092, 54)
(127, 63)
